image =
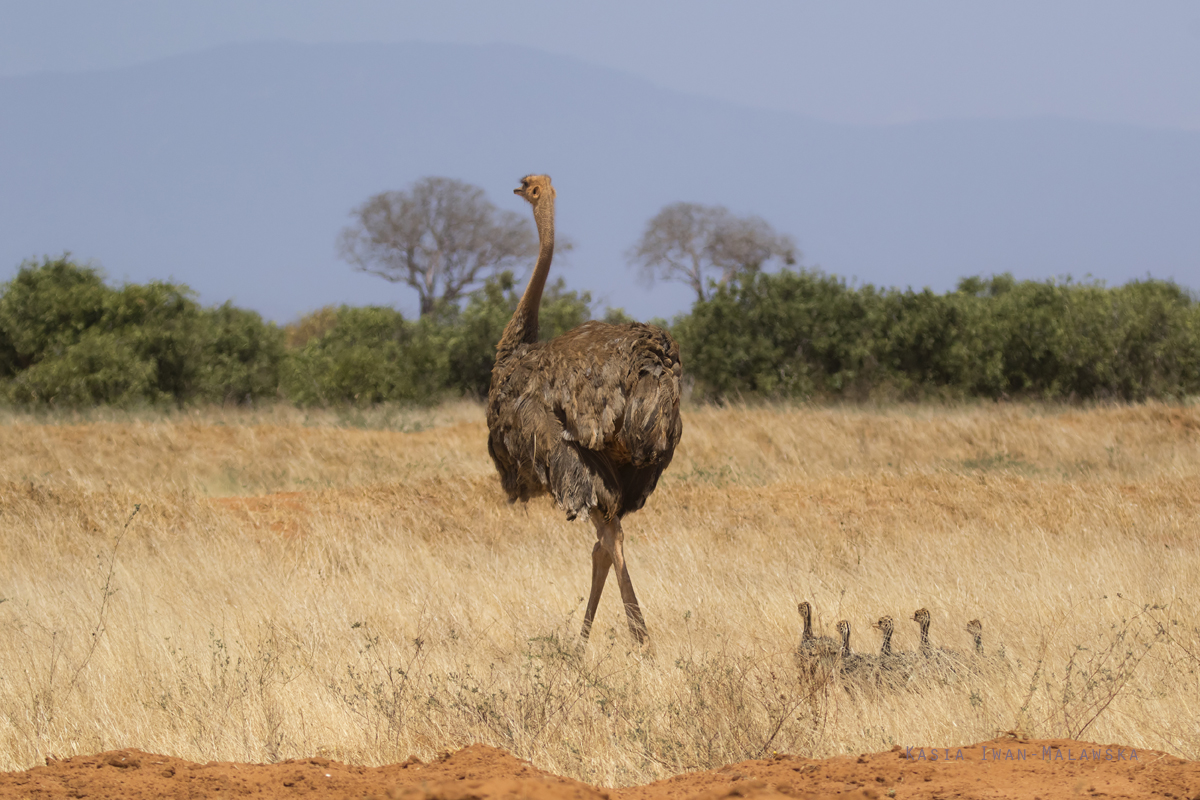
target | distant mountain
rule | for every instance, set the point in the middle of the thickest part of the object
(234, 169)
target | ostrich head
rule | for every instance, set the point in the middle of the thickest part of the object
(975, 628)
(535, 188)
(806, 615)
(921, 616)
(843, 629)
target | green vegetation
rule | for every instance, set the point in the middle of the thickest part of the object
(369, 355)
(67, 339)
(800, 334)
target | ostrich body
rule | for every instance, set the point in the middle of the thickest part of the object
(590, 417)
(852, 664)
(810, 643)
(895, 668)
(979, 661)
(938, 658)
(816, 655)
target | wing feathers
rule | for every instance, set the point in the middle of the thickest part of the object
(592, 416)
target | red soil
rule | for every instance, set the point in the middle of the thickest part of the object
(1048, 769)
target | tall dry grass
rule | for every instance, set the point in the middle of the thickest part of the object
(355, 586)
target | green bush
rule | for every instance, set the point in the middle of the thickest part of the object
(67, 339)
(791, 334)
(370, 355)
(47, 308)
(240, 357)
(804, 334)
(98, 369)
(1155, 341)
(163, 325)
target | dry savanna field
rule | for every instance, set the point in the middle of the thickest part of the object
(262, 585)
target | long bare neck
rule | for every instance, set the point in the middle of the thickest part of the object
(523, 327)
(886, 647)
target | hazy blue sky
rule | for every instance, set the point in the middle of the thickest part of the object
(1013, 164)
(850, 61)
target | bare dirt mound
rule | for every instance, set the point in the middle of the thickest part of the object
(1007, 768)
(477, 771)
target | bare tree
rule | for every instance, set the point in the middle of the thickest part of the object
(687, 242)
(439, 237)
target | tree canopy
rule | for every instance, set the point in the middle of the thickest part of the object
(442, 237)
(688, 242)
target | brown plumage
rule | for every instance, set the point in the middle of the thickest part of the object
(937, 661)
(975, 628)
(895, 667)
(816, 655)
(809, 641)
(852, 665)
(992, 661)
(590, 417)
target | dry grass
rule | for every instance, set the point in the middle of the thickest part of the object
(355, 586)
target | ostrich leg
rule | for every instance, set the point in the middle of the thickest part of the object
(609, 551)
(601, 561)
(633, 611)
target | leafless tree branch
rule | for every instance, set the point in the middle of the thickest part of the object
(440, 237)
(688, 242)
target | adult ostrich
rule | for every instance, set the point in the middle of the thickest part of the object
(592, 416)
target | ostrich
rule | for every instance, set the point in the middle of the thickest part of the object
(939, 659)
(993, 661)
(853, 664)
(810, 643)
(592, 416)
(816, 655)
(975, 628)
(895, 668)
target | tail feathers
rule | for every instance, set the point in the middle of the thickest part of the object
(582, 479)
(652, 426)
